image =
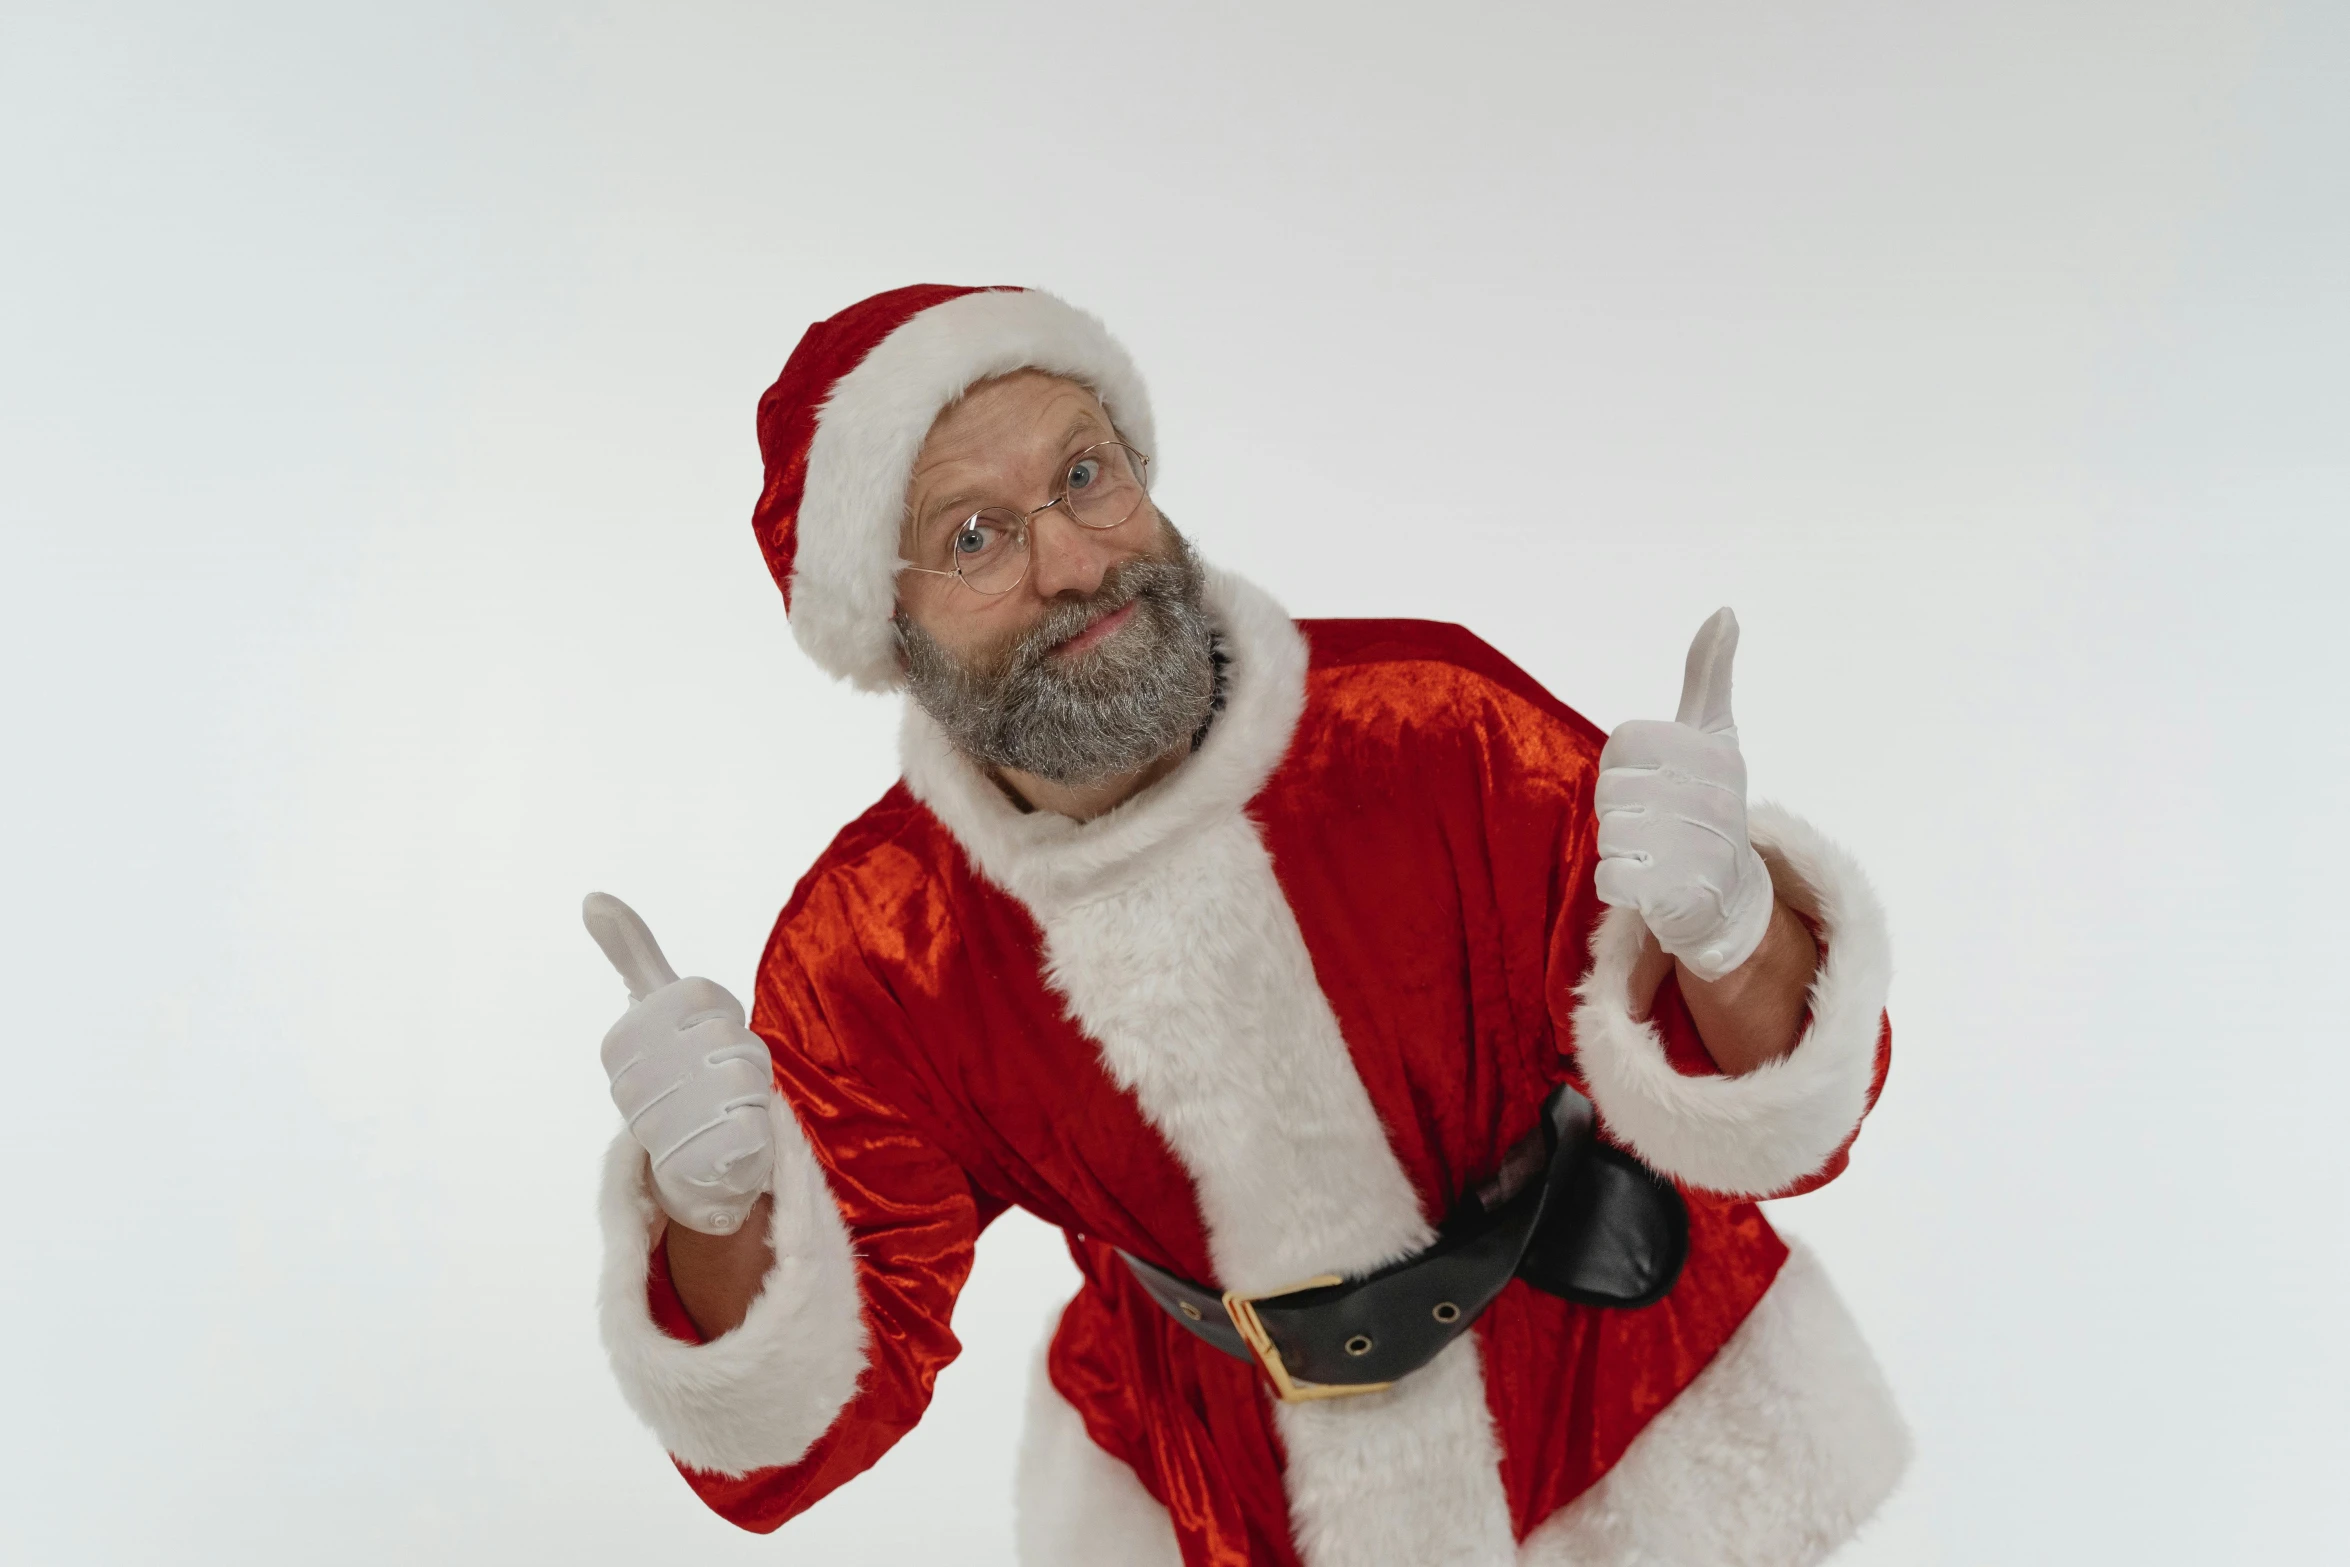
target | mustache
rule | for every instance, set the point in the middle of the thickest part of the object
(1143, 577)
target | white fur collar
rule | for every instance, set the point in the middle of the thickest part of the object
(1049, 861)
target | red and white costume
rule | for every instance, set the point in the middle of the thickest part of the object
(1269, 1019)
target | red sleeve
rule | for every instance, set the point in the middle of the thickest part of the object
(913, 1220)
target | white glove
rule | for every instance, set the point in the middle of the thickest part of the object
(1672, 820)
(690, 1079)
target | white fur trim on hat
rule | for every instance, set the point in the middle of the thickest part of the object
(844, 571)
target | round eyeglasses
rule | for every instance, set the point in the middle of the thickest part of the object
(1101, 488)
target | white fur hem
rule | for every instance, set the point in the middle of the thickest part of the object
(1760, 1133)
(1073, 1505)
(844, 574)
(762, 1394)
(1076, 1506)
(1774, 1457)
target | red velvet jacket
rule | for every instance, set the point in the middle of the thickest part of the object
(971, 1010)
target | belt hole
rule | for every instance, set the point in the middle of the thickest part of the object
(1446, 1312)
(1359, 1345)
(1188, 1309)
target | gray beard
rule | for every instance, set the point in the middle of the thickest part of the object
(1115, 709)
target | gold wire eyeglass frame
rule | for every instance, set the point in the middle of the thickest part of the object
(1020, 520)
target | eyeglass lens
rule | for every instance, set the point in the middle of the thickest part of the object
(1101, 488)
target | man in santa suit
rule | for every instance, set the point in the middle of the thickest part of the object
(1248, 952)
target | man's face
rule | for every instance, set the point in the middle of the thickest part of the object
(1097, 662)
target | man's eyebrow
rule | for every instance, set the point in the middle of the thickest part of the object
(931, 510)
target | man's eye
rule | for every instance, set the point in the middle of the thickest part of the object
(1084, 473)
(983, 534)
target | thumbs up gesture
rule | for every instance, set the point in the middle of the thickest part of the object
(1672, 820)
(692, 1081)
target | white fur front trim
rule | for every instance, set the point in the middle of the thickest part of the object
(844, 572)
(1775, 1455)
(760, 1395)
(1411, 1476)
(1760, 1133)
(1073, 1505)
(1165, 927)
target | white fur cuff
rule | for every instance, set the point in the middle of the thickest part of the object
(762, 1394)
(1761, 1133)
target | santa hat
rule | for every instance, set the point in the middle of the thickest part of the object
(840, 429)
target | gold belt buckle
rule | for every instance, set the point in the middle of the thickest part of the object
(1242, 1309)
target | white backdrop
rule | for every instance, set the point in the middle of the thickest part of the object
(378, 386)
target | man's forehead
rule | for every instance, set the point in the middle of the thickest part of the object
(1027, 405)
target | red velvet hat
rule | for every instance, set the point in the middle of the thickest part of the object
(840, 429)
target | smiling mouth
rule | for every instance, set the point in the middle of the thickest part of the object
(1100, 631)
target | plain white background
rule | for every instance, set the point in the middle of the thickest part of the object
(378, 385)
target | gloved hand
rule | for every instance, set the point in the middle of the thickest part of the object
(1672, 820)
(690, 1079)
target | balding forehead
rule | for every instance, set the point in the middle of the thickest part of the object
(1090, 411)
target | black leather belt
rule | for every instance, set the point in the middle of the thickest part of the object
(1567, 1214)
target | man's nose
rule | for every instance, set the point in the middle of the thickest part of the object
(1066, 558)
